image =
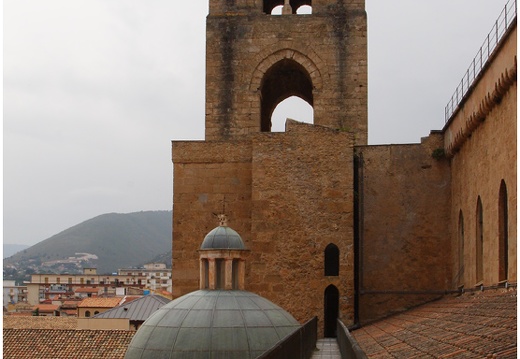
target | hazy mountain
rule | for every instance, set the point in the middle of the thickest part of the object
(107, 242)
(10, 249)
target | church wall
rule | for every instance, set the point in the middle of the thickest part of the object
(480, 140)
(209, 178)
(404, 240)
(241, 49)
(487, 157)
(302, 200)
(288, 195)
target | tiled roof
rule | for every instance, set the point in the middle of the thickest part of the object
(99, 302)
(473, 325)
(65, 344)
(32, 322)
(139, 309)
(46, 307)
(87, 290)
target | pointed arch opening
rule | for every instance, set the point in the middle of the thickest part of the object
(269, 5)
(331, 260)
(503, 235)
(294, 108)
(304, 10)
(285, 79)
(479, 260)
(331, 312)
(460, 274)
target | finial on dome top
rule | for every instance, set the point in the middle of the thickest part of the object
(223, 220)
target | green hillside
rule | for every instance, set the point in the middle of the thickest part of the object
(117, 240)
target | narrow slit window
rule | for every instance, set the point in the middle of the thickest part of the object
(331, 260)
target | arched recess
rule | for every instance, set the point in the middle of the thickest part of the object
(460, 274)
(331, 311)
(479, 259)
(331, 260)
(282, 80)
(503, 245)
(269, 5)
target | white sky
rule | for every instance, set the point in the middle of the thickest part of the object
(95, 90)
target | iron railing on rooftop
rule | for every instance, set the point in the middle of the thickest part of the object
(506, 18)
(348, 346)
(298, 345)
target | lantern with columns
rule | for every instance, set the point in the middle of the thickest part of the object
(222, 259)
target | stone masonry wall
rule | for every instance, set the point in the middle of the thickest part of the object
(302, 200)
(288, 195)
(404, 244)
(480, 140)
(209, 178)
(485, 159)
(330, 47)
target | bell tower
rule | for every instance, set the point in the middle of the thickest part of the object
(255, 60)
(290, 194)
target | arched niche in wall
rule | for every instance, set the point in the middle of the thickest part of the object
(503, 235)
(479, 238)
(284, 79)
(331, 260)
(460, 234)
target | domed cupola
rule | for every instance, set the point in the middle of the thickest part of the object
(221, 254)
(221, 320)
(222, 237)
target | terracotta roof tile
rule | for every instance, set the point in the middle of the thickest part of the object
(65, 344)
(46, 307)
(87, 290)
(468, 326)
(32, 322)
(99, 302)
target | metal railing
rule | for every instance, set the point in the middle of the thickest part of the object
(298, 345)
(348, 346)
(506, 18)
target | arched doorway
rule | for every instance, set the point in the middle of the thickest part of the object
(503, 236)
(331, 311)
(479, 262)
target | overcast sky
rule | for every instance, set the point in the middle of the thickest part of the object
(95, 90)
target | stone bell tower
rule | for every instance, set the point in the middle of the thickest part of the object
(255, 60)
(290, 195)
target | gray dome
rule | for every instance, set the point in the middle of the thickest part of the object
(212, 324)
(222, 237)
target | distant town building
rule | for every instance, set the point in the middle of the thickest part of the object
(158, 277)
(136, 281)
(13, 293)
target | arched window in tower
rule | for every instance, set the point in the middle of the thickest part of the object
(331, 260)
(286, 78)
(294, 108)
(277, 10)
(274, 7)
(479, 260)
(304, 10)
(460, 273)
(503, 245)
